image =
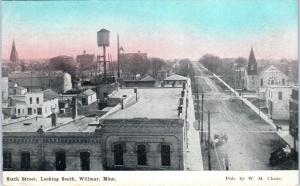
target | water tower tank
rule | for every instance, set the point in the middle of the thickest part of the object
(103, 37)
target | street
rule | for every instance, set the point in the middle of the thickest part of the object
(250, 139)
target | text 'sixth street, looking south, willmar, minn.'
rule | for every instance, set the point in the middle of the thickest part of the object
(149, 85)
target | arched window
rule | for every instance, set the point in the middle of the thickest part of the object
(85, 160)
(165, 155)
(25, 160)
(118, 154)
(60, 160)
(7, 160)
(141, 155)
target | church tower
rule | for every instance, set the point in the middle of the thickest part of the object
(252, 64)
(252, 76)
(14, 57)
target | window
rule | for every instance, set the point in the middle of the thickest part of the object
(280, 95)
(29, 110)
(272, 82)
(7, 160)
(165, 155)
(85, 160)
(39, 111)
(19, 111)
(261, 82)
(60, 160)
(30, 100)
(37, 100)
(34, 111)
(141, 155)
(283, 81)
(25, 160)
(118, 154)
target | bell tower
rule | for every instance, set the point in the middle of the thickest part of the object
(14, 59)
(252, 64)
(252, 76)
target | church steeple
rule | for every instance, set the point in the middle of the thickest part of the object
(13, 53)
(252, 64)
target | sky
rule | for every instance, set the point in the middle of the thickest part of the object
(167, 29)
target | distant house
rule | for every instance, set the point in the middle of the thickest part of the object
(4, 88)
(57, 81)
(87, 97)
(42, 103)
(175, 80)
(147, 81)
(277, 101)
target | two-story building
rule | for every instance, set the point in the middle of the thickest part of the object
(277, 101)
(40, 104)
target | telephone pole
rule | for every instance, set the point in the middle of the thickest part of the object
(198, 108)
(118, 56)
(208, 122)
(202, 110)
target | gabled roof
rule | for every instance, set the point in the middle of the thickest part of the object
(86, 93)
(176, 77)
(148, 78)
(49, 94)
(267, 68)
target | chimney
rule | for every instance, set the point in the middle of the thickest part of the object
(182, 93)
(53, 119)
(180, 101)
(74, 107)
(136, 95)
(179, 110)
(122, 103)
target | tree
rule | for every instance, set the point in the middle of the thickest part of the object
(241, 62)
(156, 65)
(211, 62)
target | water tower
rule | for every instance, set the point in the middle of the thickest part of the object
(103, 41)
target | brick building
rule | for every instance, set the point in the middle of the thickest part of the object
(145, 130)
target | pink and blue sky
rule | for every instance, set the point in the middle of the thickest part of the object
(167, 29)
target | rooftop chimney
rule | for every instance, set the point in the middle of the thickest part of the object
(180, 101)
(74, 107)
(179, 110)
(184, 85)
(53, 119)
(136, 95)
(182, 93)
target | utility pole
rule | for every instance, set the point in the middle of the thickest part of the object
(118, 60)
(104, 59)
(198, 108)
(202, 110)
(209, 163)
(258, 104)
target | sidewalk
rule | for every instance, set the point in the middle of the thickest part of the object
(193, 155)
(283, 134)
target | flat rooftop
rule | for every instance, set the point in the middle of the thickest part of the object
(64, 124)
(159, 103)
